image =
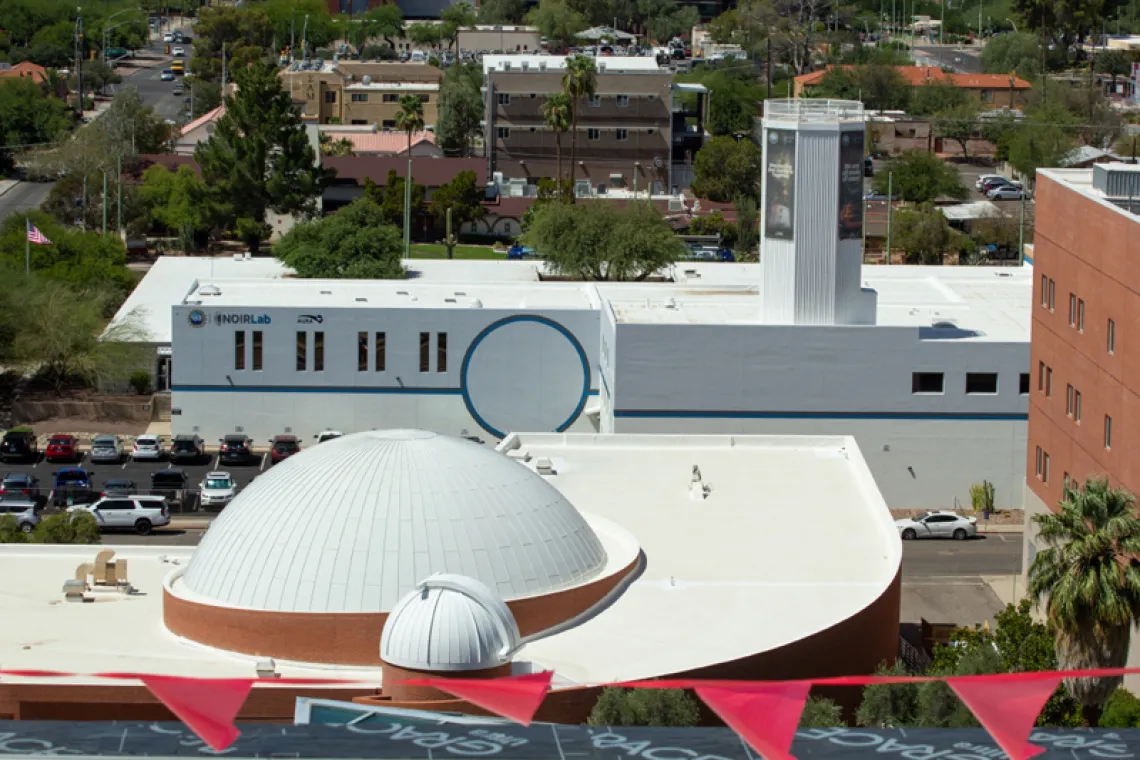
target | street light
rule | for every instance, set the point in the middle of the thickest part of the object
(107, 28)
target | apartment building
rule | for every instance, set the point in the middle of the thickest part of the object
(640, 130)
(361, 92)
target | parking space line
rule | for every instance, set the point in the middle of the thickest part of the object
(125, 463)
(264, 459)
(217, 461)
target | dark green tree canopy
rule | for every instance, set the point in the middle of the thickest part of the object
(737, 96)
(920, 177)
(879, 87)
(357, 242)
(81, 259)
(460, 109)
(28, 115)
(390, 197)
(463, 196)
(727, 168)
(645, 707)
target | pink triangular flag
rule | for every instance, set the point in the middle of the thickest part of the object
(516, 697)
(208, 706)
(1007, 706)
(765, 715)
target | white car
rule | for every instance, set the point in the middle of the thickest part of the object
(167, 75)
(137, 512)
(178, 52)
(218, 489)
(327, 435)
(106, 448)
(1005, 193)
(937, 524)
(983, 178)
(147, 447)
(168, 37)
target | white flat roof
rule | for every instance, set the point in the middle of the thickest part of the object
(793, 537)
(401, 86)
(613, 63)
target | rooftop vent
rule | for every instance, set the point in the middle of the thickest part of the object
(945, 324)
(544, 466)
(449, 300)
(209, 290)
(238, 257)
(362, 300)
(460, 293)
(367, 80)
(326, 292)
(266, 668)
(542, 65)
(670, 303)
(519, 455)
(1117, 180)
(401, 292)
(476, 303)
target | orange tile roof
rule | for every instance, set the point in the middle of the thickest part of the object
(920, 75)
(381, 143)
(26, 69)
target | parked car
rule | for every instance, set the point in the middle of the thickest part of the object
(178, 52)
(868, 166)
(106, 448)
(168, 37)
(990, 184)
(119, 487)
(19, 445)
(167, 75)
(327, 435)
(178, 89)
(140, 513)
(20, 486)
(170, 484)
(62, 448)
(1005, 193)
(147, 448)
(73, 485)
(27, 513)
(187, 448)
(218, 489)
(983, 178)
(937, 524)
(284, 446)
(236, 449)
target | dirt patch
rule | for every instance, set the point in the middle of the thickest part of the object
(1003, 517)
(88, 427)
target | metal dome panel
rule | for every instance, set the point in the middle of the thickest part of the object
(450, 623)
(353, 524)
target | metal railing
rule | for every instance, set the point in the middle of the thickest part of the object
(916, 660)
(807, 110)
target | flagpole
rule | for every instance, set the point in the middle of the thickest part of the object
(104, 203)
(27, 246)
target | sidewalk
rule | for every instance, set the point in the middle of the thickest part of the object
(191, 521)
(6, 185)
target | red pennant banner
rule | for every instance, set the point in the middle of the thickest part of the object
(764, 715)
(515, 697)
(208, 707)
(1008, 706)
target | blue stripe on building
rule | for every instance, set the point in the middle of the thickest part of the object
(726, 415)
(396, 390)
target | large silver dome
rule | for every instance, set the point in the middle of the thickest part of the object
(353, 524)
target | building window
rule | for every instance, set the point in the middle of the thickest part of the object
(1052, 294)
(650, 131)
(381, 350)
(388, 124)
(981, 382)
(1041, 376)
(1048, 381)
(239, 350)
(257, 353)
(1065, 479)
(318, 352)
(593, 133)
(623, 101)
(1076, 406)
(926, 382)
(1045, 470)
(596, 101)
(1039, 456)
(302, 351)
(425, 98)
(425, 352)
(362, 352)
(1069, 400)
(330, 96)
(1111, 336)
(389, 98)
(360, 121)
(1044, 290)
(441, 352)
(1023, 384)
(1107, 432)
(1072, 310)
(622, 135)
(1081, 314)
(503, 132)
(360, 97)
(504, 98)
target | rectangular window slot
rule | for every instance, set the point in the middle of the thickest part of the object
(319, 351)
(1023, 385)
(926, 382)
(441, 352)
(381, 349)
(302, 351)
(981, 383)
(257, 350)
(239, 350)
(362, 352)
(425, 352)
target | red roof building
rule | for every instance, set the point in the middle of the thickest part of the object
(995, 90)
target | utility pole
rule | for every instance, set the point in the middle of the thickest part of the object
(28, 245)
(1021, 232)
(292, 33)
(407, 211)
(119, 197)
(223, 71)
(79, 55)
(890, 210)
(104, 203)
(893, 9)
(84, 214)
(305, 39)
(980, 2)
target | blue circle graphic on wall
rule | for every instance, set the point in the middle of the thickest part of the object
(525, 373)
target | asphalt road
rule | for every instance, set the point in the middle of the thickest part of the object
(964, 59)
(993, 554)
(147, 78)
(24, 196)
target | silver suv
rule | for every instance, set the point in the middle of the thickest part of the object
(25, 512)
(138, 512)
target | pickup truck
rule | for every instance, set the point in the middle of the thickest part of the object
(134, 512)
(72, 485)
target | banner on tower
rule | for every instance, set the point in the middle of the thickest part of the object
(780, 185)
(851, 185)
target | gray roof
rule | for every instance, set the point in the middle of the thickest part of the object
(353, 524)
(1087, 153)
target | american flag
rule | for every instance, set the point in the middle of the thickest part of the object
(35, 236)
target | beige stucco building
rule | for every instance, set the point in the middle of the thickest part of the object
(358, 92)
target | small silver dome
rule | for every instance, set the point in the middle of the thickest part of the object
(450, 623)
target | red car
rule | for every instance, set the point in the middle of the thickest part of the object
(284, 446)
(62, 448)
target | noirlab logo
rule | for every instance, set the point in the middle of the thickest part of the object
(309, 319)
(242, 319)
(197, 318)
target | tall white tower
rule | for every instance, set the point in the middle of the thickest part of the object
(812, 213)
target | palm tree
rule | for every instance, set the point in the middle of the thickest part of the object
(1089, 580)
(579, 81)
(410, 117)
(556, 111)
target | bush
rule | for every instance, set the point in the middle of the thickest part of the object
(820, 712)
(78, 527)
(140, 381)
(645, 707)
(10, 532)
(1122, 710)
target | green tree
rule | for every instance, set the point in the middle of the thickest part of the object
(288, 17)
(820, 712)
(666, 19)
(424, 34)
(501, 11)
(246, 32)
(556, 21)
(936, 97)
(1043, 138)
(10, 531)
(340, 148)
(259, 157)
(1017, 53)
(889, 705)
(959, 124)
(881, 88)
(557, 111)
(925, 235)
(597, 241)
(737, 95)
(578, 84)
(460, 108)
(1121, 710)
(28, 116)
(938, 706)
(747, 226)
(463, 196)
(410, 117)
(96, 76)
(180, 203)
(645, 707)
(356, 242)
(920, 177)
(1089, 584)
(390, 197)
(453, 18)
(386, 20)
(1115, 64)
(79, 527)
(726, 168)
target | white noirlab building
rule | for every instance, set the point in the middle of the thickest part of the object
(927, 367)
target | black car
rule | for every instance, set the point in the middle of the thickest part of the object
(19, 445)
(171, 485)
(187, 448)
(20, 486)
(236, 449)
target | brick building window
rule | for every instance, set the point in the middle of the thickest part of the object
(593, 133)
(1052, 294)
(1076, 406)
(622, 135)
(1040, 454)
(1044, 290)
(504, 98)
(1081, 314)
(1111, 336)
(1045, 472)
(1107, 432)
(1069, 400)
(1041, 376)
(623, 101)
(503, 132)
(389, 98)
(1072, 310)
(359, 97)
(1048, 381)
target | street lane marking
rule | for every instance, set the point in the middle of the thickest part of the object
(217, 461)
(264, 459)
